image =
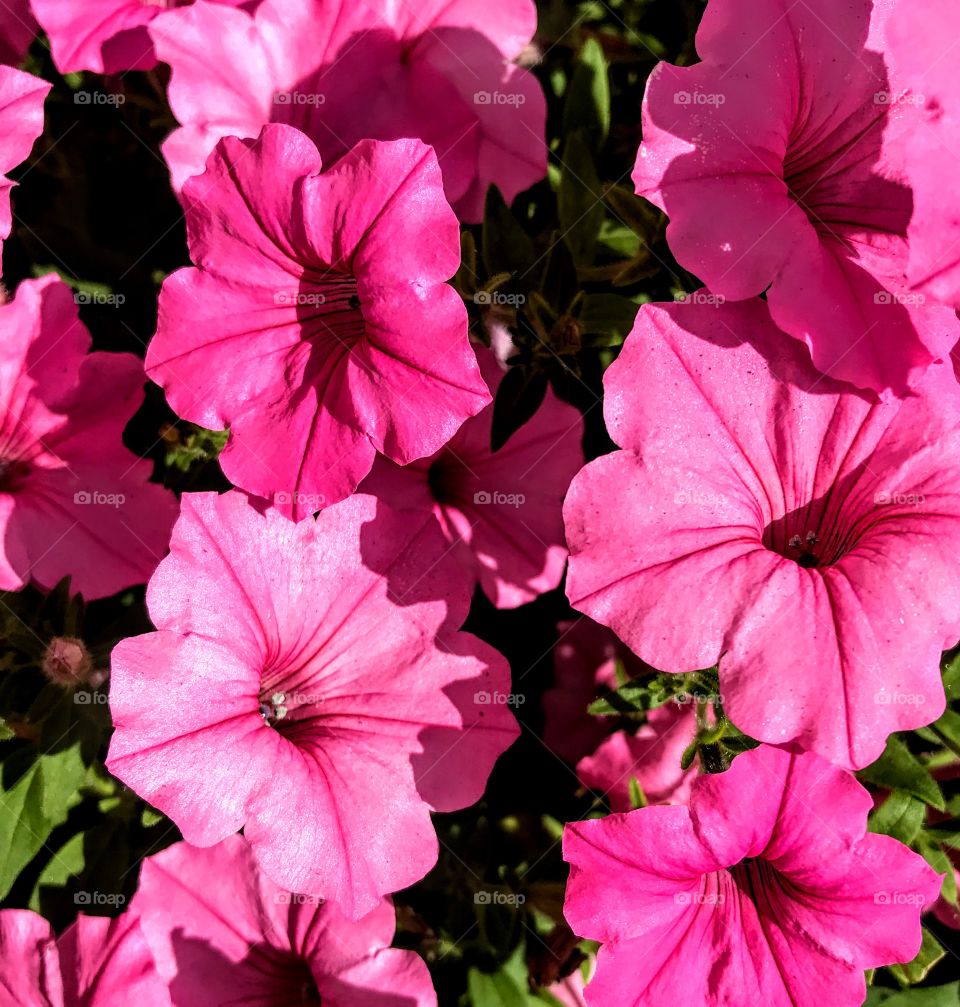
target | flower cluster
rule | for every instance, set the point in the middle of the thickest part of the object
(387, 381)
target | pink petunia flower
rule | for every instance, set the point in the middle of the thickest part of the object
(95, 962)
(500, 511)
(765, 517)
(21, 122)
(651, 755)
(318, 308)
(343, 71)
(766, 889)
(584, 664)
(18, 28)
(73, 500)
(802, 194)
(920, 37)
(217, 926)
(105, 36)
(306, 683)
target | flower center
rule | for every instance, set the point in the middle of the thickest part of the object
(13, 471)
(817, 535)
(328, 307)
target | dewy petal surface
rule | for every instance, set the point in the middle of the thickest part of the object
(792, 509)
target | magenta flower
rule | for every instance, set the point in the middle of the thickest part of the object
(105, 36)
(765, 517)
(73, 500)
(318, 308)
(750, 895)
(322, 658)
(95, 962)
(651, 755)
(919, 51)
(501, 511)
(18, 28)
(216, 925)
(342, 71)
(21, 122)
(802, 194)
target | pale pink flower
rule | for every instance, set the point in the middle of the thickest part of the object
(21, 122)
(18, 27)
(775, 159)
(105, 36)
(73, 500)
(307, 684)
(501, 511)
(767, 889)
(920, 37)
(223, 933)
(344, 71)
(768, 518)
(651, 756)
(95, 962)
(318, 308)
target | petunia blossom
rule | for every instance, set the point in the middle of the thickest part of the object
(217, 925)
(767, 518)
(18, 28)
(319, 307)
(651, 755)
(803, 194)
(342, 71)
(95, 962)
(306, 683)
(105, 36)
(21, 122)
(501, 511)
(766, 889)
(73, 500)
(920, 37)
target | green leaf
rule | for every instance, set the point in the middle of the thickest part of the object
(947, 729)
(587, 107)
(942, 864)
(507, 248)
(934, 996)
(637, 797)
(951, 674)
(609, 317)
(505, 988)
(579, 200)
(916, 971)
(900, 816)
(38, 792)
(899, 769)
